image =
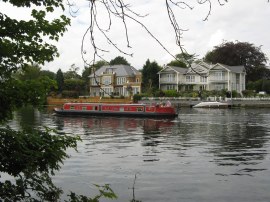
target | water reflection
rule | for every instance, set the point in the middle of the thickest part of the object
(148, 126)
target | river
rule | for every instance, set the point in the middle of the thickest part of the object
(202, 155)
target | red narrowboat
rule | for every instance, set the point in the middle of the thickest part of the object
(102, 109)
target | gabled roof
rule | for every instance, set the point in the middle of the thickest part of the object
(181, 70)
(201, 68)
(235, 69)
(120, 70)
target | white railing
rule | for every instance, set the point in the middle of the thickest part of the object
(217, 98)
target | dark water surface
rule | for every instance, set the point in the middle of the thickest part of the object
(203, 155)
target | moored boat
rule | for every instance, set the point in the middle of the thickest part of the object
(211, 105)
(103, 109)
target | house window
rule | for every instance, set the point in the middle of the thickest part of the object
(107, 91)
(170, 77)
(107, 80)
(170, 87)
(109, 71)
(120, 80)
(219, 86)
(219, 75)
(95, 81)
(203, 79)
(136, 90)
(190, 79)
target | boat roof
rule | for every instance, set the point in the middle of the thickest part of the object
(86, 103)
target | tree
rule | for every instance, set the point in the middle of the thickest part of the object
(150, 78)
(186, 58)
(29, 72)
(119, 60)
(22, 44)
(72, 73)
(60, 80)
(30, 156)
(48, 73)
(177, 63)
(240, 53)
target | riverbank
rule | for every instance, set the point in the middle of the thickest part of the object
(232, 102)
(176, 101)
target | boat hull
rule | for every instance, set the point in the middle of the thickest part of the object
(62, 112)
(211, 105)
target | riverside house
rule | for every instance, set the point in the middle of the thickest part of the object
(117, 80)
(203, 76)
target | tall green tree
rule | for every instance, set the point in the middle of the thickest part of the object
(30, 155)
(119, 60)
(60, 80)
(150, 78)
(240, 53)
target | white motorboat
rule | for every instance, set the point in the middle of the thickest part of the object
(212, 104)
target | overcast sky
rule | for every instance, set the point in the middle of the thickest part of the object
(242, 20)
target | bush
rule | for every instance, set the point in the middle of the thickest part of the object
(70, 94)
(248, 93)
(171, 93)
(137, 97)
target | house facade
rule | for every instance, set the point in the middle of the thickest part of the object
(117, 80)
(203, 76)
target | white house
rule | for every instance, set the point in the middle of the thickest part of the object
(203, 76)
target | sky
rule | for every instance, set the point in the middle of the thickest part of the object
(236, 20)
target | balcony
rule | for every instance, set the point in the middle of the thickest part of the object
(167, 81)
(213, 79)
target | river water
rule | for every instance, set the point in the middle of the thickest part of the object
(202, 155)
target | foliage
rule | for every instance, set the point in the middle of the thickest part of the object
(77, 85)
(18, 93)
(249, 93)
(137, 97)
(101, 63)
(29, 72)
(49, 74)
(150, 78)
(240, 53)
(72, 73)
(171, 93)
(260, 85)
(60, 80)
(185, 58)
(104, 191)
(22, 44)
(70, 94)
(119, 60)
(31, 156)
(177, 63)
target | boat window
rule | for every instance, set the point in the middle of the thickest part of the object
(84, 108)
(96, 108)
(139, 109)
(72, 107)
